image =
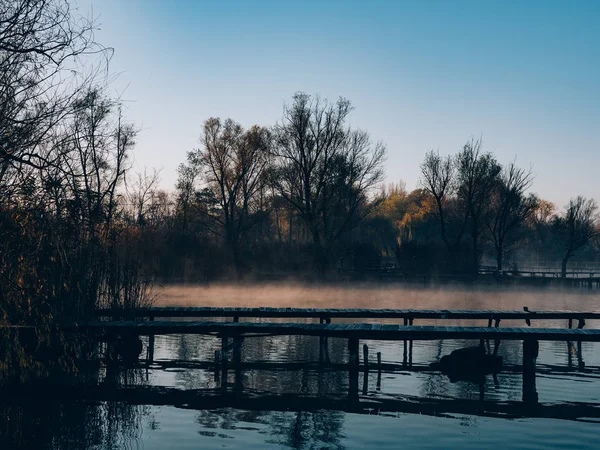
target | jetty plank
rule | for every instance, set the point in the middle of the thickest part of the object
(268, 312)
(354, 331)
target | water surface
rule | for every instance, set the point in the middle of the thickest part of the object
(288, 400)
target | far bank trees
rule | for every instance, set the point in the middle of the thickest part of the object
(325, 170)
(478, 201)
(230, 171)
(576, 228)
(311, 163)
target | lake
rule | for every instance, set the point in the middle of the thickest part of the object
(287, 400)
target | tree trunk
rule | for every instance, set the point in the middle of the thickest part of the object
(475, 256)
(499, 257)
(563, 270)
(320, 254)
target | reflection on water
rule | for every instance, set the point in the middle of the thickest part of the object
(281, 396)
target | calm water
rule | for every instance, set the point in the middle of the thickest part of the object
(286, 401)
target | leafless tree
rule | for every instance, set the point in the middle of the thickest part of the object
(42, 46)
(231, 166)
(141, 192)
(477, 174)
(437, 177)
(510, 208)
(326, 171)
(577, 228)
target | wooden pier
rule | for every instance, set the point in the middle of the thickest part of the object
(329, 313)
(389, 332)
(233, 333)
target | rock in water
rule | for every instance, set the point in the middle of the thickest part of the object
(469, 364)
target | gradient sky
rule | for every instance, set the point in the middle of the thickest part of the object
(422, 75)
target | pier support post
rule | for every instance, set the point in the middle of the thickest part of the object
(323, 342)
(237, 363)
(237, 349)
(224, 344)
(405, 354)
(580, 362)
(151, 343)
(365, 388)
(496, 346)
(353, 368)
(410, 346)
(530, 353)
(569, 354)
(378, 371)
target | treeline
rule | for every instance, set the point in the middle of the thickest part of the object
(304, 199)
(279, 200)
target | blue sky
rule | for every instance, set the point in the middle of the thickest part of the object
(422, 75)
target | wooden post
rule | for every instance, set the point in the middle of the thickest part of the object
(530, 353)
(237, 349)
(321, 350)
(570, 323)
(217, 365)
(353, 368)
(496, 346)
(410, 348)
(365, 388)
(353, 350)
(236, 319)
(151, 342)
(378, 371)
(405, 355)
(487, 340)
(580, 362)
(569, 354)
(497, 323)
(224, 343)
(237, 361)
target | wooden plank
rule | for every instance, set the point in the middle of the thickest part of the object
(384, 332)
(356, 313)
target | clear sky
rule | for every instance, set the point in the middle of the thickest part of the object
(422, 75)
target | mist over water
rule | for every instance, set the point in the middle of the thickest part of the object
(372, 295)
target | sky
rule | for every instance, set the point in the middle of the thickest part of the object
(422, 75)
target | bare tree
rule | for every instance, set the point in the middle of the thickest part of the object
(477, 174)
(141, 192)
(509, 209)
(437, 177)
(42, 45)
(326, 171)
(231, 165)
(577, 228)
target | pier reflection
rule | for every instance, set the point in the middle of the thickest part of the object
(287, 385)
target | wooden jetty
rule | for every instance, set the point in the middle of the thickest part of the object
(406, 332)
(325, 314)
(349, 331)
